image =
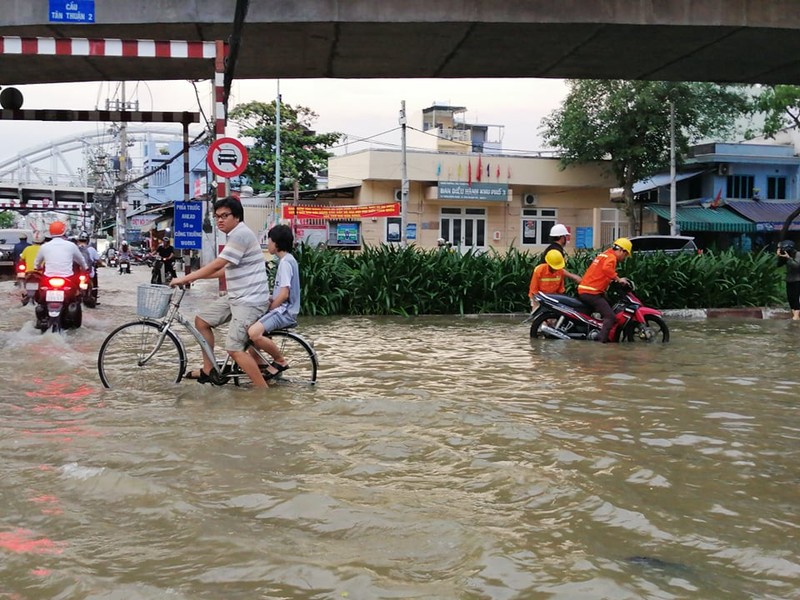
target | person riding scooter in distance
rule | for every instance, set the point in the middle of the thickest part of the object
(167, 254)
(597, 278)
(29, 256)
(92, 257)
(124, 259)
(57, 257)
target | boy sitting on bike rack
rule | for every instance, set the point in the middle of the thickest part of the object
(284, 303)
(242, 263)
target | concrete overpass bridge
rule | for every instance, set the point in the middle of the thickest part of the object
(747, 41)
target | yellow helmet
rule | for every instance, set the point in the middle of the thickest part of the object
(625, 244)
(555, 259)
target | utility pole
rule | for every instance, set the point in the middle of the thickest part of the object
(122, 174)
(278, 155)
(404, 177)
(673, 203)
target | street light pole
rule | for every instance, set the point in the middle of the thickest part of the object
(673, 202)
(404, 178)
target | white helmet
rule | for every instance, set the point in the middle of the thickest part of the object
(558, 230)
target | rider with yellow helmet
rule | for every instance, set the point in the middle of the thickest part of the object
(597, 278)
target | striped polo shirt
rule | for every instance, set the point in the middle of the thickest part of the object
(246, 273)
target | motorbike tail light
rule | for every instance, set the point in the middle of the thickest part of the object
(22, 267)
(56, 282)
(82, 278)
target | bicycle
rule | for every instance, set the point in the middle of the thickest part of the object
(148, 351)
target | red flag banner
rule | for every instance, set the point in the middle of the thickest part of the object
(479, 170)
(717, 200)
(469, 172)
(341, 213)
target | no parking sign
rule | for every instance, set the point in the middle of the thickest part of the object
(227, 157)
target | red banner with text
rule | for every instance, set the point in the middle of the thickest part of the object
(341, 213)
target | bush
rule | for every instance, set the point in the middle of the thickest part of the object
(390, 280)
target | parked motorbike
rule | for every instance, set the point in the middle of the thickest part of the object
(567, 318)
(58, 303)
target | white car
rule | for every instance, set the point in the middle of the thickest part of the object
(8, 239)
(669, 244)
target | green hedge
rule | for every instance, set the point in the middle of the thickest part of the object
(388, 280)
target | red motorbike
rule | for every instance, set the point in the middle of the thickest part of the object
(567, 318)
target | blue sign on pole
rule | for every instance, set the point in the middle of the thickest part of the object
(71, 11)
(188, 225)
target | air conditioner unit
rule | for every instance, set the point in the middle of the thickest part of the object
(398, 195)
(528, 200)
(723, 169)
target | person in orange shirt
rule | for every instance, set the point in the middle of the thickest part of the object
(597, 278)
(548, 277)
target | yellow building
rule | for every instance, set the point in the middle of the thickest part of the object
(464, 190)
(474, 200)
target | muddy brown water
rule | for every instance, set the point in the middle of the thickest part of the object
(437, 458)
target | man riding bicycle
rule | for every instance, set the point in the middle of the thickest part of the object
(241, 262)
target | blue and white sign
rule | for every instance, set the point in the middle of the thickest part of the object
(411, 231)
(71, 11)
(188, 225)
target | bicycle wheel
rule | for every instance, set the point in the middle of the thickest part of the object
(654, 331)
(119, 361)
(300, 355)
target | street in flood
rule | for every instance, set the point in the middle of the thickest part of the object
(436, 458)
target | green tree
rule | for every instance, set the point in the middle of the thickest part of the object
(627, 124)
(781, 107)
(6, 219)
(304, 153)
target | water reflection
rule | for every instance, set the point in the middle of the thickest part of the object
(436, 458)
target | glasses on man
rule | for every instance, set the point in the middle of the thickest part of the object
(222, 216)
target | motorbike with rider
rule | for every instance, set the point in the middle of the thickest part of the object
(92, 257)
(564, 317)
(29, 274)
(58, 299)
(163, 270)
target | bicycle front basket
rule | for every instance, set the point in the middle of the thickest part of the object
(152, 301)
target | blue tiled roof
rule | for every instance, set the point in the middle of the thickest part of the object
(767, 215)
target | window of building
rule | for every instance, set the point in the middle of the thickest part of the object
(464, 227)
(159, 178)
(740, 186)
(536, 224)
(776, 188)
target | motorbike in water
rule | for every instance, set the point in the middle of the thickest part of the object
(29, 282)
(160, 274)
(20, 269)
(567, 318)
(124, 266)
(58, 302)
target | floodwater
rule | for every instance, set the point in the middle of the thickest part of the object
(437, 458)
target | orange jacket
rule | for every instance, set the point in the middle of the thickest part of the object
(600, 274)
(545, 279)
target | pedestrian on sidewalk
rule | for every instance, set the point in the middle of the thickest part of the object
(788, 256)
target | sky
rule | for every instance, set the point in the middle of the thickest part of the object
(359, 108)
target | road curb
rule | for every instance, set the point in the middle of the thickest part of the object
(749, 312)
